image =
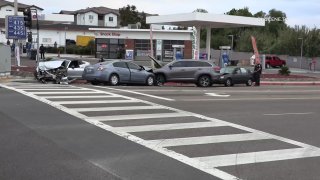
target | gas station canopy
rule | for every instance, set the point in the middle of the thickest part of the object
(207, 21)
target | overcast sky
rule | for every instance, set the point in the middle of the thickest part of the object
(299, 12)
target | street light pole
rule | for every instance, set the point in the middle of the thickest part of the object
(231, 41)
(301, 52)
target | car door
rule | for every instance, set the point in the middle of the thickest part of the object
(122, 70)
(177, 71)
(137, 73)
(244, 75)
(74, 69)
(236, 76)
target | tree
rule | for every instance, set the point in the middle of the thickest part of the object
(130, 15)
(200, 11)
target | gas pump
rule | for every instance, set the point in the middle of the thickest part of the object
(224, 56)
(177, 52)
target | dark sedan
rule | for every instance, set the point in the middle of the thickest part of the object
(235, 75)
(116, 72)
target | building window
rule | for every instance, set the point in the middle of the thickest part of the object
(142, 47)
(168, 49)
(91, 17)
(8, 9)
(111, 19)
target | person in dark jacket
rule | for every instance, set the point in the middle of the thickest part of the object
(257, 73)
(42, 51)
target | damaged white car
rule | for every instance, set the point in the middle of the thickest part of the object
(60, 70)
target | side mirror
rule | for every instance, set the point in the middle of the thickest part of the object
(170, 67)
(141, 68)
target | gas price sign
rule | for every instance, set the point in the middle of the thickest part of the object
(15, 28)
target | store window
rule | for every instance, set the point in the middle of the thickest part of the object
(142, 47)
(110, 19)
(110, 48)
(167, 47)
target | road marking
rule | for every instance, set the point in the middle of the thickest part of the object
(208, 139)
(60, 89)
(115, 108)
(137, 116)
(53, 92)
(78, 97)
(134, 92)
(283, 114)
(217, 95)
(161, 127)
(96, 102)
(257, 157)
(252, 99)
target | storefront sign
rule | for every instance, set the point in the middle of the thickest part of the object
(107, 34)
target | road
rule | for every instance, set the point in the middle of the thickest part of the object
(137, 132)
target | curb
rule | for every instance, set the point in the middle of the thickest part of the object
(291, 83)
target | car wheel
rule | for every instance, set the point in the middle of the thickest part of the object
(249, 82)
(150, 81)
(160, 80)
(204, 81)
(114, 80)
(228, 82)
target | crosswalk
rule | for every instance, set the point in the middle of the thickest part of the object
(167, 130)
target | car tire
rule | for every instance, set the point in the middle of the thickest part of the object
(160, 79)
(249, 82)
(228, 82)
(204, 81)
(114, 80)
(150, 81)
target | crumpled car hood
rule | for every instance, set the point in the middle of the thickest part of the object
(47, 65)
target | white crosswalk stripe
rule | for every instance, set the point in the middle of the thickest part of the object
(122, 108)
(257, 157)
(137, 116)
(207, 139)
(96, 102)
(168, 126)
(207, 164)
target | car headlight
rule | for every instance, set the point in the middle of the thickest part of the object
(221, 77)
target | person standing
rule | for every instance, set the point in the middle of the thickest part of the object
(42, 51)
(257, 73)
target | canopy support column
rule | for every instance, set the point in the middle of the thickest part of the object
(208, 43)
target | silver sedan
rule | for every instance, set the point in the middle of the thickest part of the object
(116, 72)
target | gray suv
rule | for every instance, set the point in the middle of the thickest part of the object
(202, 73)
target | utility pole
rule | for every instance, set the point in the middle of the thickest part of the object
(15, 41)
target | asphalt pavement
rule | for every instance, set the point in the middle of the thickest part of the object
(137, 132)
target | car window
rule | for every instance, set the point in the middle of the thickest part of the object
(243, 70)
(276, 58)
(120, 65)
(180, 64)
(74, 64)
(268, 57)
(199, 64)
(236, 71)
(133, 66)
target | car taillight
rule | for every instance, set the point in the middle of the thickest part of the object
(100, 68)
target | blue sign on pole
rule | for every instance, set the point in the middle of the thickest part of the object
(15, 28)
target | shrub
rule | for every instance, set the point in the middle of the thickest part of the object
(284, 71)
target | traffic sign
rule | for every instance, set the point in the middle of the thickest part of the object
(15, 28)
